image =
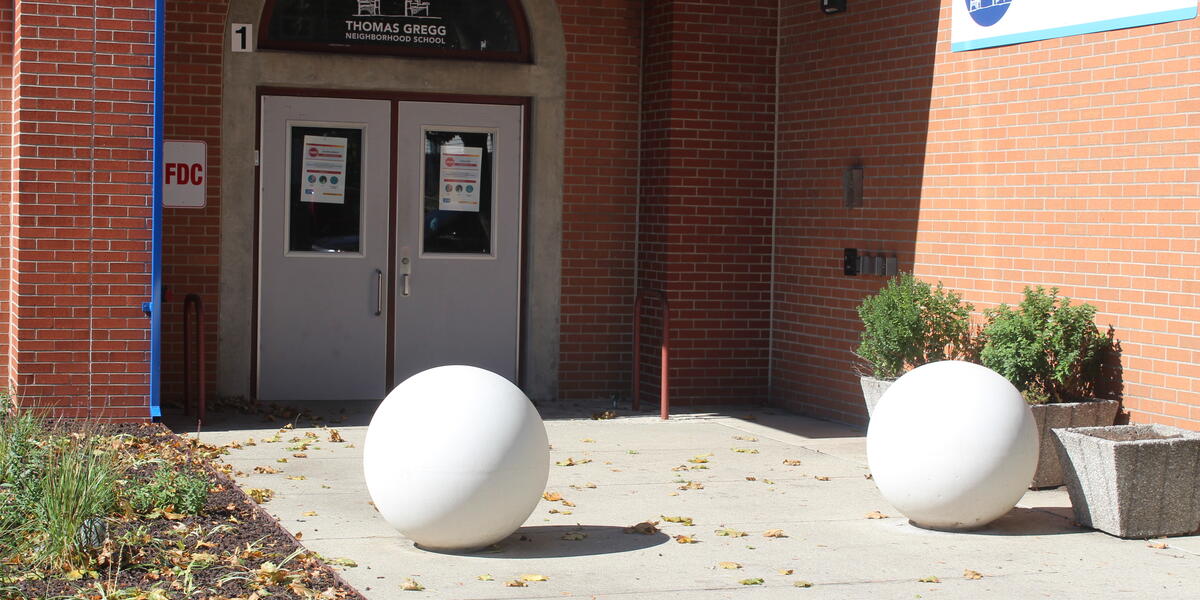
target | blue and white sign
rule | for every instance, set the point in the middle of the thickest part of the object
(985, 23)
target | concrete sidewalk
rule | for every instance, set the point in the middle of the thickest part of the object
(821, 505)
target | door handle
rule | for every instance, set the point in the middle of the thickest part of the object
(378, 292)
(405, 272)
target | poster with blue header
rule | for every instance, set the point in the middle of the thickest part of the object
(979, 24)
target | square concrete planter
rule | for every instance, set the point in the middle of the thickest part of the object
(1133, 481)
(1095, 413)
(873, 390)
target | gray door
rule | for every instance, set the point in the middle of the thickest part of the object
(325, 295)
(458, 247)
(323, 248)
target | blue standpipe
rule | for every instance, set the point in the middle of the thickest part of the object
(155, 307)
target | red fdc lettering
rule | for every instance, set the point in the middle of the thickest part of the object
(184, 174)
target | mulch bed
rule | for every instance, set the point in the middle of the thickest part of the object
(233, 549)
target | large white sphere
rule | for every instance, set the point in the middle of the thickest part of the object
(952, 445)
(456, 458)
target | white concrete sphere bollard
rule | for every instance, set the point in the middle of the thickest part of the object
(952, 445)
(456, 458)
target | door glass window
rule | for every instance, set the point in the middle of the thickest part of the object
(457, 207)
(325, 189)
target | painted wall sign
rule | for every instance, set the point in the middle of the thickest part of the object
(479, 29)
(979, 24)
(185, 174)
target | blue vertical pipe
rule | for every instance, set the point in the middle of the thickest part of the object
(156, 218)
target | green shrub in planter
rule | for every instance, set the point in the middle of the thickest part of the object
(910, 323)
(182, 492)
(1047, 347)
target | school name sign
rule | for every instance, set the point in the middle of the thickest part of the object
(979, 24)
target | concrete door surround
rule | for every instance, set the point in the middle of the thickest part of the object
(543, 81)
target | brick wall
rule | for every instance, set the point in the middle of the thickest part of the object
(81, 152)
(6, 56)
(1068, 162)
(707, 188)
(191, 254)
(599, 226)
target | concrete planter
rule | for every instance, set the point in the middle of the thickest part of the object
(873, 390)
(1096, 413)
(1133, 481)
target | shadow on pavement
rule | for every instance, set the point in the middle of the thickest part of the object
(546, 541)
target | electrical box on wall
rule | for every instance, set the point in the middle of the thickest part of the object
(859, 262)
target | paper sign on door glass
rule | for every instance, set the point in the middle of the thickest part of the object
(324, 170)
(459, 184)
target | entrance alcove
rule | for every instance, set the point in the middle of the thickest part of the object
(459, 82)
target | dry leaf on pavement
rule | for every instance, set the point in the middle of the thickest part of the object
(727, 564)
(485, 577)
(792, 462)
(686, 521)
(515, 583)
(774, 533)
(745, 450)
(727, 532)
(969, 574)
(534, 578)
(410, 585)
(335, 436)
(930, 579)
(644, 528)
(692, 485)
(876, 515)
(803, 584)
(820, 478)
(752, 581)
(311, 513)
(551, 496)
(686, 539)
(786, 571)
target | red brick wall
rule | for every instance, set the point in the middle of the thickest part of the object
(708, 162)
(6, 56)
(603, 42)
(191, 236)
(1069, 163)
(79, 271)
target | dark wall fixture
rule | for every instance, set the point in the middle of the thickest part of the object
(833, 6)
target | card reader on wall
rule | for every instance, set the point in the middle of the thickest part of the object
(833, 6)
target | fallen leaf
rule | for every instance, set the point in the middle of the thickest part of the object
(551, 496)
(803, 584)
(281, 460)
(568, 503)
(792, 462)
(515, 583)
(751, 478)
(768, 482)
(299, 455)
(589, 485)
(752, 581)
(774, 533)
(266, 470)
(699, 458)
(969, 574)
(486, 577)
(876, 515)
(260, 495)
(786, 571)
(869, 476)
(1158, 546)
(687, 521)
(604, 415)
(311, 513)
(297, 477)
(555, 511)
(571, 462)
(745, 450)
(820, 478)
(644, 528)
(335, 436)
(411, 585)
(588, 441)
(930, 579)
(534, 578)
(727, 532)
(631, 451)
(692, 485)
(686, 539)
(298, 535)
(574, 536)
(341, 562)
(745, 438)
(729, 565)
